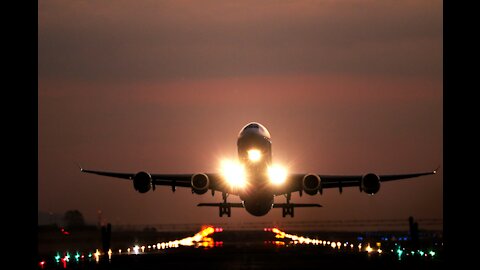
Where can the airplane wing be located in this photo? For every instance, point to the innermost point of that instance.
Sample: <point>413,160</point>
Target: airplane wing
<point>295,181</point>
<point>172,180</point>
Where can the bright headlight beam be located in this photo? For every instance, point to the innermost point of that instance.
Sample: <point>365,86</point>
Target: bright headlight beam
<point>234,173</point>
<point>277,174</point>
<point>254,155</point>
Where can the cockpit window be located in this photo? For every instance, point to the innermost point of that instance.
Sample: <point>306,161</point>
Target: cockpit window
<point>255,128</point>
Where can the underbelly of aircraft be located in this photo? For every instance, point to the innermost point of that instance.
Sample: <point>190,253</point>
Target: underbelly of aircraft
<point>258,204</point>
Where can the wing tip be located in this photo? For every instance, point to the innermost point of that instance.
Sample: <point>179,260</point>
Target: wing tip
<point>436,170</point>
<point>80,167</point>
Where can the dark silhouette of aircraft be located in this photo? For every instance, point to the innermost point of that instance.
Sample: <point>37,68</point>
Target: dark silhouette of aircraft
<point>255,179</point>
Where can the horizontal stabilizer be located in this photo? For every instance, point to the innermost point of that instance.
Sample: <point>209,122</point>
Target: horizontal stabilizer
<point>282,205</point>
<point>235,205</point>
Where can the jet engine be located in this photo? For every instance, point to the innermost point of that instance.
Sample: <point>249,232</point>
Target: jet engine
<point>370,183</point>
<point>200,183</point>
<point>142,182</point>
<point>311,183</point>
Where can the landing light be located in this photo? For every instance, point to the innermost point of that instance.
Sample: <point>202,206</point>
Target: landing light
<point>254,155</point>
<point>234,173</point>
<point>277,174</point>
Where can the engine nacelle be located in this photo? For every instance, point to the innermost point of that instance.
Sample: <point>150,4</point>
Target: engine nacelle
<point>311,184</point>
<point>370,183</point>
<point>142,182</point>
<point>200,183</point>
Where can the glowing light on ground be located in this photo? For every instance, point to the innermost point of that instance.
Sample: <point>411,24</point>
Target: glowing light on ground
<point>297,239</point>
<point>97,255</point>
<point>399,253</point>
<point>200,239</point>
<point>333,244</point>
<point>67,257</point>
<point>57,257</point>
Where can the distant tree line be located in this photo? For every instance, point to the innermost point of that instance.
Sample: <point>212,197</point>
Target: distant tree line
<point>74,219</point>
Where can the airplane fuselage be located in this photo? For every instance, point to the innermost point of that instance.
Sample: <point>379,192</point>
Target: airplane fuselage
<point>256,179</point>
<point>255,154</point>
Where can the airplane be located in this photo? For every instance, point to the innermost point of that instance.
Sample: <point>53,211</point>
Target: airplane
<point>255,179</point>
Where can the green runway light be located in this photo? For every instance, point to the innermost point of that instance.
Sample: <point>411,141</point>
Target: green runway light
<point>67,257</point>
<point>421,253</point>
<point>77,256</point>
<point>432,253</point>
<point>399,252</point>
<point>90,255</point>
<point>57,257</point>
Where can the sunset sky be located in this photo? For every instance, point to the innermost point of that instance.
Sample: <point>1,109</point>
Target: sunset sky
<point>344,87</point>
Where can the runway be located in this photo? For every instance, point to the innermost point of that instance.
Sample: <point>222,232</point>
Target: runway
<point>270,248</point>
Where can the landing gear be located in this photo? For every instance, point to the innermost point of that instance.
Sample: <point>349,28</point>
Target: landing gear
<point>288,196</point>
<point>287,209</point>
<point>224,208</point>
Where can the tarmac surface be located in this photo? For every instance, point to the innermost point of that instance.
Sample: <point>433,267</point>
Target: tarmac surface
<point>241,250</point>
